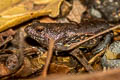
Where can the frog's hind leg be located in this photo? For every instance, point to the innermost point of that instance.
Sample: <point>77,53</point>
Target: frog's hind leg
<point>103,44</point>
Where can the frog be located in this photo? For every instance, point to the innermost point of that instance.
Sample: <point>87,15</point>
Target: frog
<point>66,34</point>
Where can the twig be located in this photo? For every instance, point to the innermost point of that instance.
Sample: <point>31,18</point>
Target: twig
<point>96,56</point>
<point>21,47</point>
<point>92,60</point>
<point>9,38</point>
<point>81,58</point>
<point>113,74</point>
<point>49,56</point>
<point>19,53</point>
<point>109,75</point>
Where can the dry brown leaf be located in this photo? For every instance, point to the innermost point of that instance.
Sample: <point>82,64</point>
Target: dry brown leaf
<point>65,8</point>
<point>57,68</point>
<point>54,6</point>
<point>47,19</point>
<point>20,13</point>
<point>4,4</point>
<point>76,12</point>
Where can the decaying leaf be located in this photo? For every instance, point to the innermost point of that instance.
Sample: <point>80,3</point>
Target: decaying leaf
<point>3,70</point>
<point>4,4</point>
<point>21,13</point>
<point>56,68</point>
<point>76,12</point>
<point>54,6</point>
<point>65,8</point>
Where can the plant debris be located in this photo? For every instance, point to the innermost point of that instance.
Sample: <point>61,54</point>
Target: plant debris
<point>59,39</point>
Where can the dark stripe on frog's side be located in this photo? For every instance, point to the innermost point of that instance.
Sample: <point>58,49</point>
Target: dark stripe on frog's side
<point>62,32</point>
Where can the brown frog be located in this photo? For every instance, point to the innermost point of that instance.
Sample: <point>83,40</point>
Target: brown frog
<point>66,34</point>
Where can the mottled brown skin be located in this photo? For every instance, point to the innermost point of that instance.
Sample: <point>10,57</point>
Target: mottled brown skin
<point>66,33</point>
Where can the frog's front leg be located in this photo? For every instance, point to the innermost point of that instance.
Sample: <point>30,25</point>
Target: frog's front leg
<point>103,44</point>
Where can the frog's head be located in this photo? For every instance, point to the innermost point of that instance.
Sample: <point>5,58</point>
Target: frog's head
<point>37,32</point>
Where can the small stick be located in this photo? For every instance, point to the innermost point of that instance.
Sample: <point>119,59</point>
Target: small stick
<point>21,48</point>
<point>105,31</point>
<point>82,59</point>
<point>9,38</point>
<point>49,56</point>
<point>96,56</point>
<point>93,59</point>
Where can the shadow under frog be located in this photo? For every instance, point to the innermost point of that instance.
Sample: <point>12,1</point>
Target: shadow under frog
<point>66,34</point>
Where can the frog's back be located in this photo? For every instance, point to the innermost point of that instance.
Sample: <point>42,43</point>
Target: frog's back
<point>93,26</point>
<point>87,26</point>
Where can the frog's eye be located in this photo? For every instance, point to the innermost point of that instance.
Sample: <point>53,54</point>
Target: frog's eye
<point>39,28</point>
